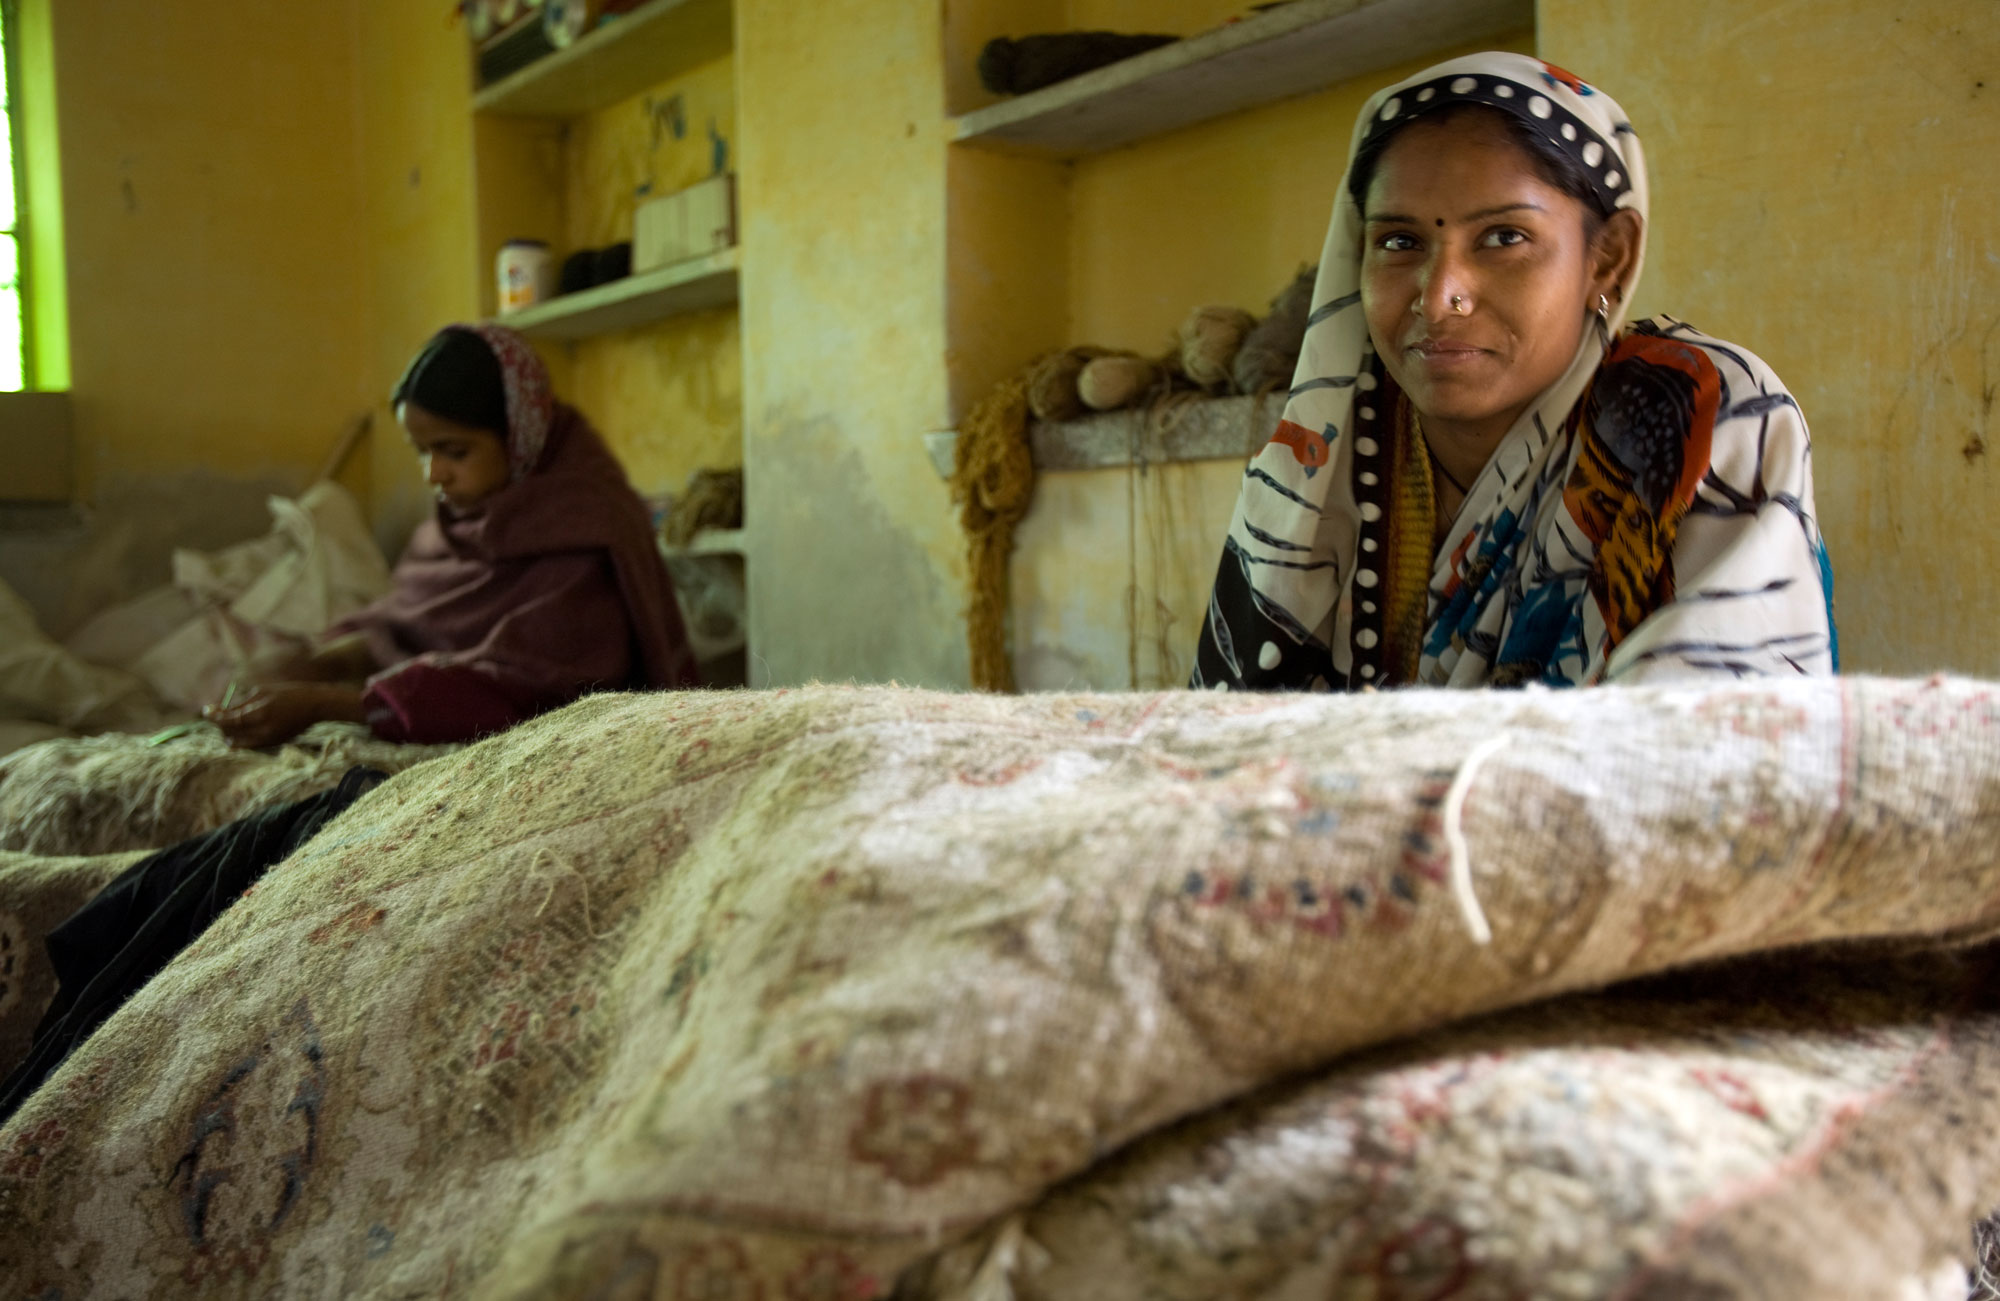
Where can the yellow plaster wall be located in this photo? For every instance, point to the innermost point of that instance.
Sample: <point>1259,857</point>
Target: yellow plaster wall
<point>1006,218</point>
<point>667,397</point>
<point>1007,266</point>
<point>521,183</point>
<point>210,177</point>
<point>419,265</point>
<point>1169,17</point>
<point>1823,194</point>
<point>854,559</point>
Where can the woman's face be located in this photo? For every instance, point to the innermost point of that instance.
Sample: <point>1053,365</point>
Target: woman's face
<point>1458,209</point>
<point>463,465</point>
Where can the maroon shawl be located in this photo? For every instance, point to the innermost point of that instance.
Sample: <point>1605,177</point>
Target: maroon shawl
<point>550,588</point>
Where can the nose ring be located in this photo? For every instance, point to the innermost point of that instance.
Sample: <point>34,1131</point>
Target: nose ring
<point>1457,307</point>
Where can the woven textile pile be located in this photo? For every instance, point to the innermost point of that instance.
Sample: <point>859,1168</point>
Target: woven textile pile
<point>828,992</point>
<point>106,794</point>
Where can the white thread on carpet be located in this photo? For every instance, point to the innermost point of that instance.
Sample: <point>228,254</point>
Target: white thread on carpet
<point>1454,838</point>
<point>560,870</point>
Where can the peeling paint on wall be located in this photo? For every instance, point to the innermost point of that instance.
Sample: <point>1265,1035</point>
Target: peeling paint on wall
<point>855,566</point>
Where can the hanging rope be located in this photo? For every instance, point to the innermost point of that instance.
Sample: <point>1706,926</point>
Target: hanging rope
<point>992,480</point>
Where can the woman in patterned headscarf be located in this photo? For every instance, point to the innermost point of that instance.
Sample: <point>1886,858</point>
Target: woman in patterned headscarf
<point>536,579</point>
<point>1484,475</point>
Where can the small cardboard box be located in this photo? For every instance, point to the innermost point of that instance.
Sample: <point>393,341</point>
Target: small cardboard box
<point>690,223</point>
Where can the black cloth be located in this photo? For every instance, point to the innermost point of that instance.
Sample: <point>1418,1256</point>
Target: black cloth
<point>158,906</point>
<point>579,272</point>
<point>613,262</point>
<point>1015,67</point>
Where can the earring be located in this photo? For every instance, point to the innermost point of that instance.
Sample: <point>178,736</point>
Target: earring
<point>1604,310</point>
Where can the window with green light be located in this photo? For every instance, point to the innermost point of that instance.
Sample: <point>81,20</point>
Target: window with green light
<point>13,335</point>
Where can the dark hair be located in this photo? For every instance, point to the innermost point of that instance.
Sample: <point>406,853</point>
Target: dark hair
<point>1557,168</point>
<point>456,376</point>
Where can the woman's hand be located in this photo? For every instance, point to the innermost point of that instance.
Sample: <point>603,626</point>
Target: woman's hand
<point>268,715</point>
<point>346,659</point>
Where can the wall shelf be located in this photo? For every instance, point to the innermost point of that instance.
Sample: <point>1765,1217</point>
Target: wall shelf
<point>1305,46</point>
<point>691,286</point>
<point>622,57</point>
<point>1207,429</point>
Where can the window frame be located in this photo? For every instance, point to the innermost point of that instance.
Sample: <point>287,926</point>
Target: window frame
<point>24,297</point>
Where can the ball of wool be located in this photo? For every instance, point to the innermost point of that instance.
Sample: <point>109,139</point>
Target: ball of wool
<point>1209,339</point>
<point>1270,352</point>
<point>1108,383</point>
<point>713,500</point>
<point>1052,383</point>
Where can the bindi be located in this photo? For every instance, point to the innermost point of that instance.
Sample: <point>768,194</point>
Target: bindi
<point>1440,222</point>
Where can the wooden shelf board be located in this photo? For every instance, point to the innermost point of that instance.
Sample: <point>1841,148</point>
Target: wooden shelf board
<point>1304,46</point>
<point>622,57</point>
<point>1209,429</point>
<point>641,299</point>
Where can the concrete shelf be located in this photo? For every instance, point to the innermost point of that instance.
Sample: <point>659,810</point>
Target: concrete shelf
<point>1303,46</point>
<point>710,542</point>
<point>1198,429</point>
<point>690,286</point>
<point>622,57</point>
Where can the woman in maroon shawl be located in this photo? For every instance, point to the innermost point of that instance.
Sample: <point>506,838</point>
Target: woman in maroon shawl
<point>535,581</point>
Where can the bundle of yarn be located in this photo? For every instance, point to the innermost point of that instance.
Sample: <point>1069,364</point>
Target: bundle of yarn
<point>713,500</point>
<point>1270,351</point>
<point>1209,338</point>
<point>1054,382</point>
<point>1124,380</point>
<point>992,482</point>
<point>1217,350</point>
<point>1076,381</point>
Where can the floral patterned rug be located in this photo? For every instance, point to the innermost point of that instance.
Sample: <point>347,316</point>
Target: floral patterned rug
<point>832,992</point>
